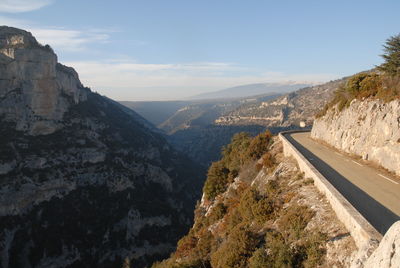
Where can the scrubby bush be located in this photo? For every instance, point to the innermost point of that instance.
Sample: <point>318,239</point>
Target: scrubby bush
<point>259,145</point>
<point>185,244</point>
<point>234,153</point>
<point>314,249</point>
<point>217,179</point>
<point>217,213</point>
<point>259,259</point>
<point>206,244</point>
<point>234,233</point>
<point>241,152</point>
<point>390,89</point>
<point>384,86</point>
<point>294,220</point>
<point>370,86</point>
<point>236,250</point>
<point>362,86</point>
<point>255,207</point>
<point>234,219</point>
<point>268,160</point>
<point>280,254</point>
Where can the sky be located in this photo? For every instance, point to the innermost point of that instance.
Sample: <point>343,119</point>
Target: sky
<point>173,49</point>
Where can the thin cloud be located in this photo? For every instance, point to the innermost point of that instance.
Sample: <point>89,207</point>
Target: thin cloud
<point>61,39</point>
<point>18,6</point>
<point>65,39</point>
<point>131,80</point>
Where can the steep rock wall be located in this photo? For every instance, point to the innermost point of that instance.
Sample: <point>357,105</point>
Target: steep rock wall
<point>370,129</point>
<point>388,252</point>
<point>35,90</point>
<point>84,181</point>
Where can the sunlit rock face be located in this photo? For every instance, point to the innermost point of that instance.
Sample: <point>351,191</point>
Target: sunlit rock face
<point>84,181</point>
<point>35,90</point>
<point>286,111</point>
<point>369,128</point>
<point>388,253</point>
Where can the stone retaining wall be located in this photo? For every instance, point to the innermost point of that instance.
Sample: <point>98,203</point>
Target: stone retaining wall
<point>364,234</point>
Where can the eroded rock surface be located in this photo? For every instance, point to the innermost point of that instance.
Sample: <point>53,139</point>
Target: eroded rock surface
<point>84,181</point>
<point>35,90</point>
<point>387,255</point>
<point>370,129</point>
<point>285,111</point>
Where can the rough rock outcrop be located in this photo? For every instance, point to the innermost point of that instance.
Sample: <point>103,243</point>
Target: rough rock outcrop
<point>35,90</point>
<point>285,111</point>
<point>387,255</point>
<point>369,128</point>
<point>84,181</point>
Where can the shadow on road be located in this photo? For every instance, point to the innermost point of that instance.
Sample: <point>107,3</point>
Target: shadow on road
<point>379,216</point>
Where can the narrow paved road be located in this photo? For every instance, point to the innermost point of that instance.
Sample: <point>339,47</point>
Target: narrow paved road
<point>375,194</point>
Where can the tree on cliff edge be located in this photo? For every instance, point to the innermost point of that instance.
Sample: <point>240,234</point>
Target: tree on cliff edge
<point>391,56</point>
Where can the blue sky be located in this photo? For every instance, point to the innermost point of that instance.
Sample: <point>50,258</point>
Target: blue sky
<point>157,50</point>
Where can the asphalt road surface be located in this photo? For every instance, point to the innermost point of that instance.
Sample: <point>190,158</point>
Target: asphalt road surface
<point>374,193</point>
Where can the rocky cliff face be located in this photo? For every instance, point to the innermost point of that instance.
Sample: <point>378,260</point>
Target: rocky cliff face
<point>285,111</point>
<point>388,252</point>
<point>370,129</point>
<point>84,181</point>
<point>35,90</point>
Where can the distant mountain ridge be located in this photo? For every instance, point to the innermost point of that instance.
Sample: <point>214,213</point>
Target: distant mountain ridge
<point>287,110</point>
<point>171,116</point>
<point>201,127</point>
<point>156,111</point>
<point>249,90</point>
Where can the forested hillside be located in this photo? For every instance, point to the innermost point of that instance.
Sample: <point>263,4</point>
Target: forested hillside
<point>258,210</point>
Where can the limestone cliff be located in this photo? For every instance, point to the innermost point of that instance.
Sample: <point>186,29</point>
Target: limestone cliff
<point>84,181</point>
<point>285,111</point>
<point>388,252</point>
<point>35,90</point>
<point>369,128</point>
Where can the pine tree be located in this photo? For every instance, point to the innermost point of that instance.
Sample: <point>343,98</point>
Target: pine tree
<point>391,56</point>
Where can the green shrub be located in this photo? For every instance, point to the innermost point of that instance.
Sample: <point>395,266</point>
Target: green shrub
<point>206,244</point>
<point>185,244</point>
<point>272,188</point>
<point>255,207</point>
<point>217,213</point>
<point>236,250</point>
<point>259,259</point>
<point>390,89</point>
<point>234,153</point>
<point>294,220</point>
<point>280,253</point>
<point>364,85</point>
<point>217,179</point>
<point>314,249</point>
<point>234,219</point>
<point>353,85</point>
<point>259,145</point>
